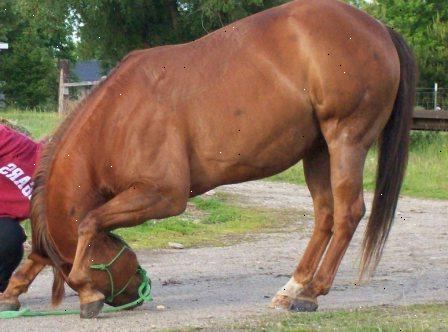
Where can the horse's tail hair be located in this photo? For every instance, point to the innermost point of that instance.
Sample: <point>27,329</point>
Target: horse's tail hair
<point>58,289</point>
<point>392,161</point>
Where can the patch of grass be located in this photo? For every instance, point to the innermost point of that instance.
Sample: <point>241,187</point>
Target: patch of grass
<point>407,318</point>
<point>39,123</point>
<point>206,222</point>
<point>426,174</point>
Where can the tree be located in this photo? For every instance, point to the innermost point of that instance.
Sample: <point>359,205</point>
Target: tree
<point>108,29</point>
<point>37,37</point>
<point>424,23</point>
<point>203,16</point>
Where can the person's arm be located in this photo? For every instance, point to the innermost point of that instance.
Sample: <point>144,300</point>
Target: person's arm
<point>15,127</point>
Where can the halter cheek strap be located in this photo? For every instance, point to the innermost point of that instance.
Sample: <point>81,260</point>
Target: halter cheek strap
<point>105,267</point>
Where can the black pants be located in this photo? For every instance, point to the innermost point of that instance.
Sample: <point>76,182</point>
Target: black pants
<point>12,237</point>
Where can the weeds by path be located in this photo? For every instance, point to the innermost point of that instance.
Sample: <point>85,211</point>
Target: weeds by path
<point>207,222</point>
<point>432,317</point>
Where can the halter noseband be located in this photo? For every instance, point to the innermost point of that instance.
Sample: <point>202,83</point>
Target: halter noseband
<point>144,290</point>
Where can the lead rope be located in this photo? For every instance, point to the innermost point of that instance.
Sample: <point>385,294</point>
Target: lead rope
<point>144,295</point>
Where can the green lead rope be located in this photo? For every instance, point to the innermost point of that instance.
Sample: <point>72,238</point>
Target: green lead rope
<point>144,295</point>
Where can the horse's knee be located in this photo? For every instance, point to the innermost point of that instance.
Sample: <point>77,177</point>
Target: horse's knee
<point>178,207</point>
<point>176,204</point>
<point>76,279</point>
<point>89,225</point>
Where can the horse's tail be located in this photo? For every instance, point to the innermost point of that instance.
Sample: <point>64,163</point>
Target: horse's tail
<point>392,161</point>
<point>58,289</point>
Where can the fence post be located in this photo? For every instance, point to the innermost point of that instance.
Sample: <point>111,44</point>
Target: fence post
<point>63,78</point>
<point>435,96</point>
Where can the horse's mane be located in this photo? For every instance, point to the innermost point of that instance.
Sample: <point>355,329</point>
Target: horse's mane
<point>42,243</point>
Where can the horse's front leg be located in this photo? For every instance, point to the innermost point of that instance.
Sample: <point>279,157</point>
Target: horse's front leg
<point>20,281</point>
<point>129,208</point>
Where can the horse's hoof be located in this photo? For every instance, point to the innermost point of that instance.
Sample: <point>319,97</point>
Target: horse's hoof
<point>303,305</point>
<point>91,309</point>
<point>9,305</point>
<point>281,301</point>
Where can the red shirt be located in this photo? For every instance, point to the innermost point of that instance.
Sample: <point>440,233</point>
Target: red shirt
<point>18,157</point>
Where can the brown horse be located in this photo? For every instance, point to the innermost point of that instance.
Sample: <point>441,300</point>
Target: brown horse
<point>314,80</point>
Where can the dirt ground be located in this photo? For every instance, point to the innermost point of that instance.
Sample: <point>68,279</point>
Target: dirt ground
<point>219,285</point>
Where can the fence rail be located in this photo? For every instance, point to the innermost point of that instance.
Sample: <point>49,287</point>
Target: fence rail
<point>430,120</point>
<point>432,99</point>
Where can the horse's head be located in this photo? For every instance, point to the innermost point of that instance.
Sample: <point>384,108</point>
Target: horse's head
<point>115,270</point>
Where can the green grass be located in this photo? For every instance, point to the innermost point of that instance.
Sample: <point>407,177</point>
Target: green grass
<point>408,318</point>
<point>427,172</point>
<point>206,222</point>
<point>39,123</point>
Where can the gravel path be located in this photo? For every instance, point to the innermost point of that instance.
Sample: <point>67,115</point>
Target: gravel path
<point>223,285</point>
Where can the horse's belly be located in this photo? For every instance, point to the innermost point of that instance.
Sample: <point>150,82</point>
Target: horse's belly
<point>245,151</point>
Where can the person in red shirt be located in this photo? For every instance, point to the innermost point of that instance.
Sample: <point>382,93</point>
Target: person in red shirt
<point>18,158</point>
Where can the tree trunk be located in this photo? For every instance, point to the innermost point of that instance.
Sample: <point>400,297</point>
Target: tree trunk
<point>172,7</point>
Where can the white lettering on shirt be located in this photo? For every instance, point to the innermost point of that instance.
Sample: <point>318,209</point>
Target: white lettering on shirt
<point>8,168</point>
<point>28,190</point>
<point>14,173</point>
<point>23,181</point>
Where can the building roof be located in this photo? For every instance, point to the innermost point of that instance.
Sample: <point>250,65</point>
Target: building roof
<point>87,71</point>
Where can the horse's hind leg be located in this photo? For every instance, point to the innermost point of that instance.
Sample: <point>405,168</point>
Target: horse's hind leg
<point>317,175</point>
<point>129,208</point>
<point>20,281</point>
<point>347,162</point>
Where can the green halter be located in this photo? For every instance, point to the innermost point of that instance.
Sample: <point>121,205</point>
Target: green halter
<point>105,267</point>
